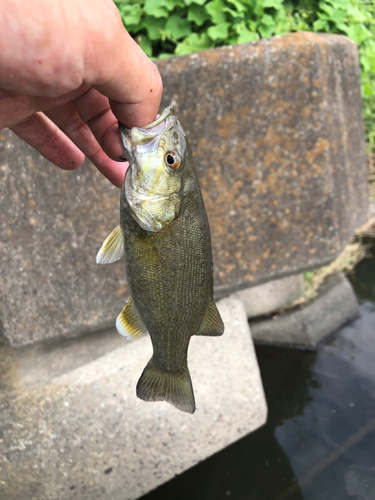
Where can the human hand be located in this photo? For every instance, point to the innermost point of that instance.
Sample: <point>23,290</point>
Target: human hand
<point>68,71</point>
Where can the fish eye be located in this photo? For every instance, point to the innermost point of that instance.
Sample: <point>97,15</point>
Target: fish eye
<point>172,160</point>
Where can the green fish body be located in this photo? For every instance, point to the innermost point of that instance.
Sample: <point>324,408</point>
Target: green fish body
<point>165,236</point>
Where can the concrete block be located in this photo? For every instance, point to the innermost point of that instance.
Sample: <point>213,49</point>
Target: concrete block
<point>52,224</point>
<point>272,296</point>
<point>276,130</point>
<point>85,435</point>
<point>277,133</point>
<point>335,305</point>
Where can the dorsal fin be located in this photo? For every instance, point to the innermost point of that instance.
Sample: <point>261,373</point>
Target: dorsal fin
<point>129,323</point>
<point>212,324</point>
<point>112,248</point>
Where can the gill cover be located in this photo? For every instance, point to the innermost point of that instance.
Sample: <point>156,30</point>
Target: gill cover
<point>155,178</point>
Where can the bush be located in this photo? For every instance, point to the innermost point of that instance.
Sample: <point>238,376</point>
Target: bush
<point>175,27</point>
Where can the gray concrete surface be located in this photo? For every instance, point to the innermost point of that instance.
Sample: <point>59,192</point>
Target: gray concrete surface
<point>335,305</point>
<point>85,436</point>
<point>272,296</point>
<point>277,134</point>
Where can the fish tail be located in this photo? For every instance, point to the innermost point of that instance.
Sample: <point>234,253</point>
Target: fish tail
<point>158,385</point>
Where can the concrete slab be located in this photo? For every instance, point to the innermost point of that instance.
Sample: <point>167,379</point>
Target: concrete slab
<point>272,296</point>
<point>335,305</point>
<point>85,435</point>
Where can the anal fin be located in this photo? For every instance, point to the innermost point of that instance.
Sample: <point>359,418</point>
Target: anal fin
<point>129,323</point>
<point>212,324</point>
<point>112,248</point>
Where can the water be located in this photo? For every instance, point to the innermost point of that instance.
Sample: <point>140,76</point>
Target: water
<point>319,441</point>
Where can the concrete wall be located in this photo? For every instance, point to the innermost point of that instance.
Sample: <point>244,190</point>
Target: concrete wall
<point>276,130</point>
<point>84,435</point>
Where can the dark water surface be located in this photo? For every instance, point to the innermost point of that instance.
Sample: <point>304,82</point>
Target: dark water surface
<point>319,441</point>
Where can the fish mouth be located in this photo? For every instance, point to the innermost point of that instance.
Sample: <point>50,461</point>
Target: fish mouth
<point>138,136</point>
<point>168,112</point>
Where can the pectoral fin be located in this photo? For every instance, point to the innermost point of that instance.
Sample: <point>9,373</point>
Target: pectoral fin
<point>129,323</point>
<point>112,248</point>
<point>212,324</point>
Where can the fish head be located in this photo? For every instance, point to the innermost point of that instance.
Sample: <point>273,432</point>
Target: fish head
<point>154,181</point>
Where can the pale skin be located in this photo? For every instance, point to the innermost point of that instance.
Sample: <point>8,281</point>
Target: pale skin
<point>69,71</point>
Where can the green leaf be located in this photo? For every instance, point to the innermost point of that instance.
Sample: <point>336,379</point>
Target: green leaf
<point>275,4</point>
<point>246,35</point>
<point>193,43</point>
<point>215,10</point>
<point>253,25</point>
<point>153,8</point>
<point>267,26</point>
<point>367,57</point>
<point>328,9</point>
<point>178,27</point>
<point>320,26</point>
<point>233,13</point>
<point>145,45</point>
<point>267,20</point>
<point>198,2</point>
<point>358,33</point>
<point>197,14</point>
<point>131,14</point>
<point>154,27</point>
<point>218,32</point>
<point>238,6</point>
<point>171,4</point>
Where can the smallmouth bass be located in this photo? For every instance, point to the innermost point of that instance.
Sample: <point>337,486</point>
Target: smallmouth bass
<point>165,237</point>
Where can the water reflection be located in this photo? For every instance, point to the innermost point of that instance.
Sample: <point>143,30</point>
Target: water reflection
<point>319,441</point>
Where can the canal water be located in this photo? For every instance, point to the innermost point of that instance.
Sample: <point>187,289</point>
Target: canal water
<point>319,440</point>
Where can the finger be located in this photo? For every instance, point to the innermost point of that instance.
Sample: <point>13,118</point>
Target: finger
<point>144,107</point>
<point>99,133</point>
<point>120,70</point>
<point>114,171</point>
<point>43,135</point>
<point>94,109</point>
<point>16,108</point>
<point>68,120</point>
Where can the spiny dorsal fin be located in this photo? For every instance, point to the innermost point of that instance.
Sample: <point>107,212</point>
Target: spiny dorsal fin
<point>212,324</point>
<point>112,248</point>
<point>129,323</point>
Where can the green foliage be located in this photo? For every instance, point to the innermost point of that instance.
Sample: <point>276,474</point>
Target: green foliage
<point>175,27</point>
<point>356,20</point>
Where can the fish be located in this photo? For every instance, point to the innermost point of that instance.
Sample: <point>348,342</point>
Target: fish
<point>164,235</point>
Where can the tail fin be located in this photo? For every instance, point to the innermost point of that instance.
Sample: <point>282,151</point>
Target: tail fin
<point>158,385</point>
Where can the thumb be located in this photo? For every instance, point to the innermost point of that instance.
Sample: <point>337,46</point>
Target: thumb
<point>122,72</point>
